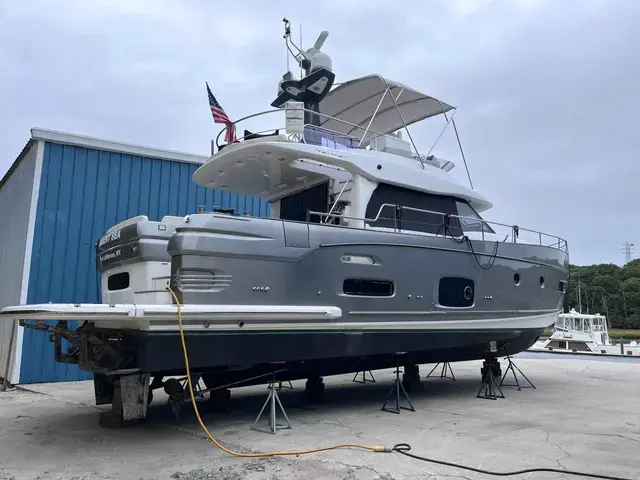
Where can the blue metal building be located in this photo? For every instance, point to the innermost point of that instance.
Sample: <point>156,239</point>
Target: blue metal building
<point>63,192</point>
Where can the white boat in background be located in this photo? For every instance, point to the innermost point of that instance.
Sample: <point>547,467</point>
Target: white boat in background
<point>576,332</point>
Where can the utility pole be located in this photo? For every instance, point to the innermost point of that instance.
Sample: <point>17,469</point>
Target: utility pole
<point>627,249</point>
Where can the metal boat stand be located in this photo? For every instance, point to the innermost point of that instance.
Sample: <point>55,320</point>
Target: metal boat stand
<point>280,386</point>
<point>513,367</point>
<point>489,382</point>
<point>395,392</point>
<point>446,370</point>
<point>272,400</point>
<point>364,377</point>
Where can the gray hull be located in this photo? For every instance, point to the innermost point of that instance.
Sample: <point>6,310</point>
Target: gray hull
<point>431,283</point>
<point>435,298</point>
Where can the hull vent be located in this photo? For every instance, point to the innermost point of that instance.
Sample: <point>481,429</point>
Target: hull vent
<point>201,280</point>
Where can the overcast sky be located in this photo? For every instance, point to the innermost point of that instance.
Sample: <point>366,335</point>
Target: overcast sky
<point>547,91</point>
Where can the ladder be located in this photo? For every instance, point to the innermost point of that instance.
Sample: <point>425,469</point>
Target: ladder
<point>337,204</point>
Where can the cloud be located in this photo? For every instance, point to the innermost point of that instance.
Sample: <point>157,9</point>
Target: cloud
<point>546,91</point>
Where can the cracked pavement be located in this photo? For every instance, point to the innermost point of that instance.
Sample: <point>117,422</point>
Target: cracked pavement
<point>582,416</point>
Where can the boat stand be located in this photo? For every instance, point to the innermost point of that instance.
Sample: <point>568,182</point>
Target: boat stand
<point>272,400</point>
<point>395,392</point>
<point>489,382</point>
<point>364,377</point>
<point>280,386</point>
<point>513,367</point>
<point>446,370</point>
<point>128,401</point>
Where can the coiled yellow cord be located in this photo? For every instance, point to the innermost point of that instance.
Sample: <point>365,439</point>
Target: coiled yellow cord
<point>372,448</point>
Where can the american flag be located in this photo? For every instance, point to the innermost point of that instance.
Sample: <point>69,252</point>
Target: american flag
<point>219,116</point>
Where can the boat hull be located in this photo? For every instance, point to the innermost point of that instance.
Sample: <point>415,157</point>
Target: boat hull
<point>228,340</point>
<point>322,352</point>
<point>226,357</point>
<point>257,292</point>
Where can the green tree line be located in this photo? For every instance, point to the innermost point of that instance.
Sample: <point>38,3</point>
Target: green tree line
<point>607,289</point>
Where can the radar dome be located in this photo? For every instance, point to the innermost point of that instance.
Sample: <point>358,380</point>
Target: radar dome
<point>320,60</point>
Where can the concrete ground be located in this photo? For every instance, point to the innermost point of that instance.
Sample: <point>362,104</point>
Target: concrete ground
<point>583,415</point>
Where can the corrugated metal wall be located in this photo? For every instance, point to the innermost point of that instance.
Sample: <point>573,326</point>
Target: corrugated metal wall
<point>15,202</point>
<point>83,192</point>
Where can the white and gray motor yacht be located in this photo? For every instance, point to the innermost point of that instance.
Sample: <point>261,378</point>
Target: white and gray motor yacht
<point>371,249</point>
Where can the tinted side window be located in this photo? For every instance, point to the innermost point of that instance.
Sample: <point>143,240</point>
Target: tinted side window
<point>408,219</point>
<point>294,207</point>
<point>455,292</point>
<point>367,288</point>
<point>473,222</point>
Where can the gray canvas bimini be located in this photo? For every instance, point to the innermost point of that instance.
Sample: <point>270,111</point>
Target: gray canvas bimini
<point>371,249</point>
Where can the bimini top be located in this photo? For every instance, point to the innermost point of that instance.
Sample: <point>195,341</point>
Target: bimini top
<point>356,101</point>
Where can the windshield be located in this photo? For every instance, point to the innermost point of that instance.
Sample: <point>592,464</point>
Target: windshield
<point>472,221</point>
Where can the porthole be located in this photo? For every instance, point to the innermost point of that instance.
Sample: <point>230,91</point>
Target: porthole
<point>468,293</point>
<point>516,278</point>
<point>561,286</point>
<point>541,282</point>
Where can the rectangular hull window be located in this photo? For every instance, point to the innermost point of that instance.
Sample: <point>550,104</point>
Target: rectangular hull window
<point>368,288</point>
<point>118,281</point>
<point>455,292</point>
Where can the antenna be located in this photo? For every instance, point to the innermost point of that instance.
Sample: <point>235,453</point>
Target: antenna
<point>316,76</point>
<point>627,249</point>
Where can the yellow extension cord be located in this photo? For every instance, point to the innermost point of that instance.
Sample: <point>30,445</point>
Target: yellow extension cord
<point>371,448</point>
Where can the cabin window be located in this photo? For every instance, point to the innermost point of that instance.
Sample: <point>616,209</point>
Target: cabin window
<point>579,346</point>
<point>407,219</point>
<point>557,344</point>
<point>472,221</point>
<point>315,199</point>
<point>367,288</point>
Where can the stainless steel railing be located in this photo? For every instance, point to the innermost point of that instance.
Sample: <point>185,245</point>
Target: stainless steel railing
<point>359,140</point>
<point>446,228</point>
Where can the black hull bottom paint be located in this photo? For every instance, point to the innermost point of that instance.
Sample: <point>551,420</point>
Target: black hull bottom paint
<point>230,357</point>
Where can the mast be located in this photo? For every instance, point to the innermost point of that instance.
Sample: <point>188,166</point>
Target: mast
<point>579,295</point>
